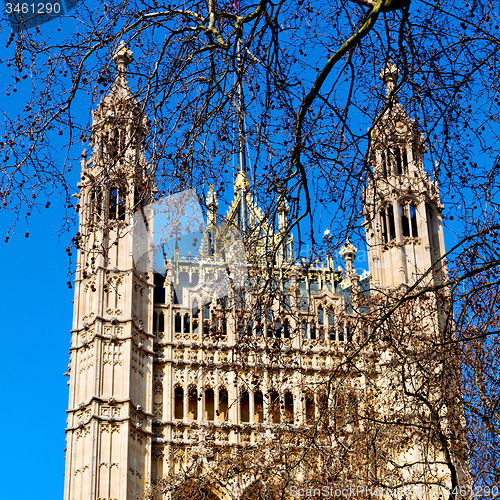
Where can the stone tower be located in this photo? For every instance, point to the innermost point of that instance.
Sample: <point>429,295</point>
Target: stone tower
<point>110,401</point>
<point>402,205</point>
<point>222,396</point>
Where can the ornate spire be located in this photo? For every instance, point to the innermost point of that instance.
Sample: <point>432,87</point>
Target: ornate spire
<point>241,184</point>
<point>122,57</point>
<point>389,75</point>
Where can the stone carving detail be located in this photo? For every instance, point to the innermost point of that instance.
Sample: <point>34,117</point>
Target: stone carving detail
<point>138,288</point>
<point>114,311</point>
<point>192,355</point>
<point>139,339</point>
<point>222,435</point>
<point>158,453</point>
<point>136,420</point>
<point>138,321</point>
<point>179,375</point>
<point>82,432</point>
<point>81,470</point>
<point>178,354</point>
<point>158,389</point>
<point>88,317</point>
<point>137,436</point>
<point>110,411</point>
<point>192,376</point>
<point>138,359</point>
<point>109,428</point>
<point>90,285</point>
<point>111,353</point>
<point>135,473</point>
<point>113,282</point>
<point>158,409</point>
<point>86,356</point>
<point>178,434</point>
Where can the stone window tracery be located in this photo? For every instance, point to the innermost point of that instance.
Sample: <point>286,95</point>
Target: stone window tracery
<point>387,223</point>
<point>178,403</point>
<point>409,219</point>
<point>116,203</point>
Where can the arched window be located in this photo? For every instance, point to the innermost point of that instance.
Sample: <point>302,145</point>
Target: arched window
<point>432,227</point>
<point>387,222</point>
<point>206,311</point>
<point>223,404</point>
<point>209,404</point>
<point>310,407</point>
<point>321,316</point>
<point>244,407</point>
<point>155,322</point>
<point>95,205</point>
<point>286,329</point>
<point>258,402</point>
<point>409,219</point>
<point>194,309</point>
<point>331,324</point>
<point>288,400</point>
<point>187,321</point>
<point>399,163</point>
<point>405,160</point>
<point>161,323</point>
<point>178,323</point>
<point>116,204</point>
<point>193,403</point>
<point>274,408</point>
<point>179,403</point>
<point>384,163</point>
<point>303,331</point>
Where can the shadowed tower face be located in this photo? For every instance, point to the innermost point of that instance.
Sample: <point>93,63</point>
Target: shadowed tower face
<point>402,206</point>
<point>110,401</point>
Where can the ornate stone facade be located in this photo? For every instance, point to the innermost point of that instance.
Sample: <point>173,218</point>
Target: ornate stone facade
<point>195,394</point>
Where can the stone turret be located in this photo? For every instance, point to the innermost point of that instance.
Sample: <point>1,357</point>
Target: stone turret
<point>110,401</point>
<point>402,205</point>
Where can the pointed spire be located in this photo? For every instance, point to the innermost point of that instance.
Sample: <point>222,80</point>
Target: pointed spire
<point>348,254</point>
<point>389,75</point>
<point>122,57</point>
<point>212,206</point>
<point>241,184</point>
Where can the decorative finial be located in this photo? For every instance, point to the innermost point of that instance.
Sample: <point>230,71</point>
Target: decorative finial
<point>211,198</point>
<point>389,75</point>
<point>122,57</point>
<point>348,251</point>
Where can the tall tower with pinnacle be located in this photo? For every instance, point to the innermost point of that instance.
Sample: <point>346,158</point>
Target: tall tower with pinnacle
<point>402,205</point>
<point>110,401</point>
<point>243,392</point>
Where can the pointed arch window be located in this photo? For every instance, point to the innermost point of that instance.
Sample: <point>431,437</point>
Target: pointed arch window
<point>245,407</point>
<point>384,163</point>
<point>95,205</point>
<point>209,404</point>
<point>409,219</point>
<point>223,404</point>
<point>399,162</point>
<point>387,222</point>
<point>432,227</point>
<point>179,403</point>
<point>321,316</point>
<point>116,204</point>
<point>258,407</point>
<point>193,403</point>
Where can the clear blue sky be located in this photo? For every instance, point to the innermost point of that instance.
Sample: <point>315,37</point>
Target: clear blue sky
<point>36,317</point>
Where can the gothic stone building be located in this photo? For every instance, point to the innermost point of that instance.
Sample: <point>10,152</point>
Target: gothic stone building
<point>177,394</point>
